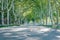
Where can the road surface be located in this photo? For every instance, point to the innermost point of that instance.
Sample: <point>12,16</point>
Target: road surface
<point>17,33</point>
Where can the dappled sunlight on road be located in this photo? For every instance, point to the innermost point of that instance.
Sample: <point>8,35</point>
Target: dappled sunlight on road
<point>39,33</point>
<point>58,30</point>
<point>45,29</point>
<point>7,34</point>
<point>18,29</point>
<point>58,36</point>
<point>40,29</point>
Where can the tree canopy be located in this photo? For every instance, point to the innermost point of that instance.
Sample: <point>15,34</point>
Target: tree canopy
<point>42,11</point>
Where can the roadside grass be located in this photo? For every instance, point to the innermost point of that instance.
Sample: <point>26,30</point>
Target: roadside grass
<point>4,26</point>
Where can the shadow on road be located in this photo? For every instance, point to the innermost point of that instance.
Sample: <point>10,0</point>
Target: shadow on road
<point>27,34</point>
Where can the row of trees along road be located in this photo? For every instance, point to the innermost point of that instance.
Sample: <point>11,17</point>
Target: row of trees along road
<point>20,11</point>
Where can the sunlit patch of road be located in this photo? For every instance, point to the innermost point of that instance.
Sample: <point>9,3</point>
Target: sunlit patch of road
<point>32,33</point>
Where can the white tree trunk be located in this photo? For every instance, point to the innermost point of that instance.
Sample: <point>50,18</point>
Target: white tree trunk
<point>50,12</point>
<point>7,14</point>
<point>2,13</point>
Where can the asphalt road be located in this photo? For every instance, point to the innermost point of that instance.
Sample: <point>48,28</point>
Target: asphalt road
<point>17,33</point>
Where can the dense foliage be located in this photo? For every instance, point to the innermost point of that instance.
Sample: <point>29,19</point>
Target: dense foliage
<point>41,11</point>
